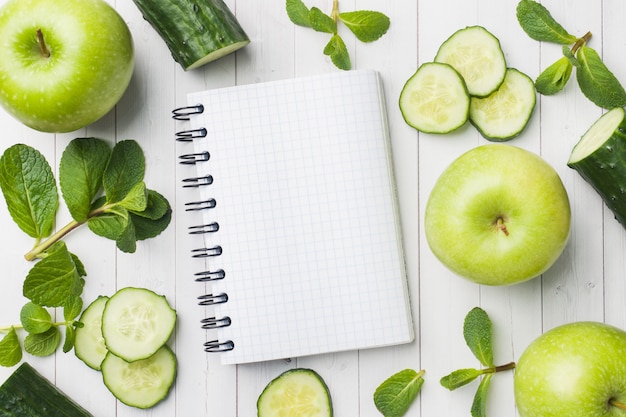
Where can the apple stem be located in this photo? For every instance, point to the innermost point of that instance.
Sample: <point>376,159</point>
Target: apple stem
<point>45,52</point>
<point>505,367</point>
<point>617,404</point>
<point>501,226</point>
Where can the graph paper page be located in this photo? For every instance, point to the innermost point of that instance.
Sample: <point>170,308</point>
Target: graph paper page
<point>308,223</point>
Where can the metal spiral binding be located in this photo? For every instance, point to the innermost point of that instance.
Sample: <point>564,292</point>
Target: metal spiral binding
<point>201,205</point>
<point>209,323</point>
<point>205,276</point>
<point>194,158</point>
<point>217,346</point>
<point>183,113</point>
<point>191,134</point>
<point>207,252</point>
<point>215,323</point>
<point>194,182</point>
<point>204,228</point>
<point>212,299</point>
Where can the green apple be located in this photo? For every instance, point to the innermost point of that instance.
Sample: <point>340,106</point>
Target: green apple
<point>63,63</point>
<point>574,370</point>
<point>498,215</point>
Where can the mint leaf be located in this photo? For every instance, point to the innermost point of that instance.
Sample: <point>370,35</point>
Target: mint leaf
<point>554,78</point>
<point>146,228</point>
<point>298,13</point>
<point>10,349</point>
<point>110,225</point>
<point>338,52</point>
<point>72,308</point>
<point>156,208</point>
<point>80,174</point>
<point>321,22</point>
<point>54,278</point>
<point>539,24</point>
<point>70,338</point>
<point>43,344</point>
<point>597,82</point>
<point>396,394</point>
<point>459,378</point>
<point>29,190</point>
<point>136,199</point>
<point>126,168</point>
<point>479,405</point>
<point>477,333</point>
<point>366,25</point>
<point>34,318</point>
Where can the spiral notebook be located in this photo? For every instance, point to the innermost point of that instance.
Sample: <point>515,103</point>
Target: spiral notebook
<point>302,239</point>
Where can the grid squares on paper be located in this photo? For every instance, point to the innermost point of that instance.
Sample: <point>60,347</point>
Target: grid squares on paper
<point>307,214</point>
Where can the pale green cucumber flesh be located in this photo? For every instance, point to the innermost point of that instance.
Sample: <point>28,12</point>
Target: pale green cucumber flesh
<point>136,322</point>
<point>505,113</point>
<point>434,99</point>
<point>89,344</point>
<point>298,392</point>
<point>476,54</point>
<point>28,393</point>
<point>600,158</point>
<point>143,383</point>
<point>196,32</point>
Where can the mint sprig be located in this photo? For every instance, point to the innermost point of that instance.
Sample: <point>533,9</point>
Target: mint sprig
<point>478,335</point>
<point>366,25</point>
<point>104,188</point>
<point>595,80</point>
<point>394,396</point>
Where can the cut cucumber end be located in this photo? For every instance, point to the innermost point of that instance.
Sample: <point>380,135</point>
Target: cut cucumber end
<point>143,383</point>
<point>476,54</point>
<point>213,56</point>
<point>505,113</point>
<point>89,344</point>
<point>597,134</point>
<point>297,392</point>
<point>136,322</point>
<point>435,99</point>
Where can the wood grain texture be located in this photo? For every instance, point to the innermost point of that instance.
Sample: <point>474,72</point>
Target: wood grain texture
<point>586,283</point>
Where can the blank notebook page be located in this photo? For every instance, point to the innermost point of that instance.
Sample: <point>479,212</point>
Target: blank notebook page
<point>308,222</point>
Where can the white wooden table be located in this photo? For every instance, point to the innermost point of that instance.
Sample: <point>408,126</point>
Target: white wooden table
<point>586,283</point>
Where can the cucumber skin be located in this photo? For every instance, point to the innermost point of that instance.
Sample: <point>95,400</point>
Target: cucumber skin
<point>605,170</point>
<point>193,29</point>
<point>28,394</point>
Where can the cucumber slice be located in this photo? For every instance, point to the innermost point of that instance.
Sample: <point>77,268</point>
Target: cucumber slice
<point>476,54</point>
<point>600,158</point>
<point>136,322</point>
<point>89,344</point>
<point>142,383</point>
<point>505,113</point>
<point>297,392</point>
<point>435,99</point>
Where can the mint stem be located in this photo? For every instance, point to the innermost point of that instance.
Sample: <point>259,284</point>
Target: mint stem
<point>60,234</point>
<point>334,14</point>
<point>580,42</point>
<point>45,52</point>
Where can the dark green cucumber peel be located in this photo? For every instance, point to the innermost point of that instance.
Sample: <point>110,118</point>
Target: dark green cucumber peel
<point>28,394</point>
<point>196,32</point>
<point>599,157</point>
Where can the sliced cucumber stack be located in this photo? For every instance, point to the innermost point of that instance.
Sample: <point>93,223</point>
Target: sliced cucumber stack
<point>435,99</point>
<point>298,392</point>
<point>89,344</point>
<point>500,100</point>
<point>143,383</point>
<point>136,322</point>
<point>600,158</point>
<point>124,336</point>
<point>476,54</point>
<point>505,113</point>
